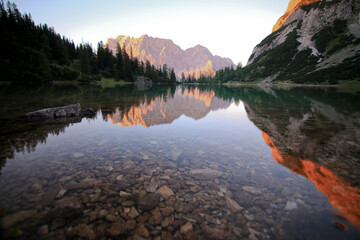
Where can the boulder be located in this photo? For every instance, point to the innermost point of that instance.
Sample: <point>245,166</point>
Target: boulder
<point>70,111</point>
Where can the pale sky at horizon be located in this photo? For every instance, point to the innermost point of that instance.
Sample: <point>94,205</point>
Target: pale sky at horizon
<point>228,28</point>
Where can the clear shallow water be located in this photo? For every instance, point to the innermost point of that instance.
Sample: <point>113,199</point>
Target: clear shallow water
<point>183,163</point>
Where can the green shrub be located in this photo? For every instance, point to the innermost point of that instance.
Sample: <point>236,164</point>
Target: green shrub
<point>63,73</point>
<point>329,33</point>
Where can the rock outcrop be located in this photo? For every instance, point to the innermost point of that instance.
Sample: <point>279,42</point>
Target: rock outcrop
<point>196,60</point>
<point>316,42</point>
<point>70,111</point>
<point>293,5</point>
<point>143,82</point>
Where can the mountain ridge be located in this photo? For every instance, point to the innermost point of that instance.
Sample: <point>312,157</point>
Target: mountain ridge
<point>197,60</point>
<point>319,42</point>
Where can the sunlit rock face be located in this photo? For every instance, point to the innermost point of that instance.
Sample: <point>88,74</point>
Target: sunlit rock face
<point>293,5</point>
<point>304,48</point>
<point>165,109</point>
<point>197,60</point>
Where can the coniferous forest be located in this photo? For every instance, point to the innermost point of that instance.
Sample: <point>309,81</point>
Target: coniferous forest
<point>37,54</point>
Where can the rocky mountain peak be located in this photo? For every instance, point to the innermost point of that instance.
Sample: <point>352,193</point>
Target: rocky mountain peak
<point>293,5</point>
<point>318,42</point>
<point>196,60</point>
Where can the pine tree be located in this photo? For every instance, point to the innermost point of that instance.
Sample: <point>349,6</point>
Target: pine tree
<point>165,72</point>
<point>135,66</point>
<point>127,65</point>
<point>148,69</point>
<point>100,58</point>
<point>84,60</point>
<point>142,69</point>
<point>119,64</point>
<point>183,78</point>
<point>172,76</point>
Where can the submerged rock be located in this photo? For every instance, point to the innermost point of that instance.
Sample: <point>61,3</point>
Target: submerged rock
<point>149,201</point>
<point>61,193</point>
<point>142,231</point>
<point>205,174</point>
<point>232,205</point>
<point>187,227</point>
<point>133,213</point>
<point>10,220</point>
<point>116,229</point>
<point>43,230</point>
<point>214,233</point>
<point>252,190</point>
<point>77,155</point>
<point>291,205</point>
<point>165,191</point>
<point>152,186</point>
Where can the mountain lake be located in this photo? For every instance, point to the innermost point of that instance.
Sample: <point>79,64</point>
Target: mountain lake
<point>181,162</point>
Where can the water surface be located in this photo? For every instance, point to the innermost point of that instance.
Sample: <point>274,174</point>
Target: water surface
<point>183,163</point>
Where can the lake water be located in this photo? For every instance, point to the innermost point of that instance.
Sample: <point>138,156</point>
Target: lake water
<point>182,163</point>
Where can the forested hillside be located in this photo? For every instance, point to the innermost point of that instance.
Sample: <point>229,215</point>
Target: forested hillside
<point>36,54</point>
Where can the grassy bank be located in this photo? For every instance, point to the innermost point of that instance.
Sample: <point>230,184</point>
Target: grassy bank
<point>111,82</point>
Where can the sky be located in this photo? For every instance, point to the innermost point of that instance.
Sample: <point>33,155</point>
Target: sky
<point>228,28</point>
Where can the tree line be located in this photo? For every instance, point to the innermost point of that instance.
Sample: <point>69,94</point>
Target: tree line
<point>221,76</point>
<point>36,54</point>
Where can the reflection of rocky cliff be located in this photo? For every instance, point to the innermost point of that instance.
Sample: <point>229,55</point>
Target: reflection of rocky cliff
<point>165,109</point>
<point>315,139</point>
<point>339,192</point>
<point>312,129</point>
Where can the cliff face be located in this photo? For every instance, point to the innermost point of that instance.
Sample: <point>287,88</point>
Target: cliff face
<point>196,60</point>
<point>315,42</point>
<point>293,5</point>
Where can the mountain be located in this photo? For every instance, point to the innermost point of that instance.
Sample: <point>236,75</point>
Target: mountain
<point>317,42</point>
<point>196,60</point>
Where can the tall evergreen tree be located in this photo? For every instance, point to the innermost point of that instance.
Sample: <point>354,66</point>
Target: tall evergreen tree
<point>119,64</point>
<point>165,72</point>
<point>127,65</point>
<point>100,57</point>
<point>172,76</point>
<point>183,78</point>
<point>148,69</point>
<point>84,60</point>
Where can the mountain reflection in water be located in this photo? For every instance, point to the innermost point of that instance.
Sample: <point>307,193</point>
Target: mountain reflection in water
<point>340,193</point>
<point>211,149</point>
<point>165,109</point>
<point>319,141</point>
